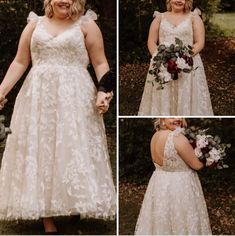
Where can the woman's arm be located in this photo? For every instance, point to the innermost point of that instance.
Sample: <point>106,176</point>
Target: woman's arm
<point>20,62</point>
<point>95,47</point>
<point>198,34</point>
<point>186,152</point>
<point>154,34</point>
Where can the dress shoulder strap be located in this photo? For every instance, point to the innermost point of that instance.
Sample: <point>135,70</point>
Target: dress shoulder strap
<point>197,11</point>
<point>33,17</point>
<point>169,146</point>
<point>157,13</point>
<point>90,15</point>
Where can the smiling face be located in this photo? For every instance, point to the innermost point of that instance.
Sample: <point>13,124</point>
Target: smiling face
<point>177,5</point>
<point>61,7</point>
<point>172,123</point>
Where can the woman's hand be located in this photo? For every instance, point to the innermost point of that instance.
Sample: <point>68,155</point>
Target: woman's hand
<point>3,101</point>
<point>103,100</point>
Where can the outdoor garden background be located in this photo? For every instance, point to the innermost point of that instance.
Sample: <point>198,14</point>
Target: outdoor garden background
<point>218,56</point>
<point>136,167</point>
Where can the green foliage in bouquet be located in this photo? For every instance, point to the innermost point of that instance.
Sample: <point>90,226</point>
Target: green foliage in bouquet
<point>165,64</point>
<point>208,148</point>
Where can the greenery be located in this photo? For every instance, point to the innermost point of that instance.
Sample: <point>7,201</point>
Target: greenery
<point>134,140</point>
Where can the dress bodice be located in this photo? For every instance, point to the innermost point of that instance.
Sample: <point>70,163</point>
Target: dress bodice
<point>66,49</point>
<point>168,32</point>
<point>172,161</point>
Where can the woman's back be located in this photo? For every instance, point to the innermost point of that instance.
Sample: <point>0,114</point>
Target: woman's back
<point>158,143</point>
<point>164,152</point>
<point>174,203</point>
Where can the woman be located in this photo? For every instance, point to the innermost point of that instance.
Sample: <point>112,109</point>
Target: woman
<point>173,203</point>
<point>189,95</point>
<point>56,160</point>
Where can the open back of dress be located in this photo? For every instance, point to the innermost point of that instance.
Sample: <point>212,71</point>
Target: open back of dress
<point>174,203</point>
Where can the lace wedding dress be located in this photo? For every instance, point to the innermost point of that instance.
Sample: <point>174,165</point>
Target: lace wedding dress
<point>174,203</point>
<point>56,160</point>
<point>189,95</point>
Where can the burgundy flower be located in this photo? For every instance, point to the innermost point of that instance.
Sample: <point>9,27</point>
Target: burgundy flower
<point>213,165</point>
<point>205,150</point>
<point>172,67</point>
<point>194,144</point>
<point>190,61</point>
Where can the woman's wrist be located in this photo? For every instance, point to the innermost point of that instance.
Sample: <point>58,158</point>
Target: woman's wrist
<point>107,82</point>
<point>2,92</point>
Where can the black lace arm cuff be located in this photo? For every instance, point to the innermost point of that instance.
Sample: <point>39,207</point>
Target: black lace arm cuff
<point>107,82</point>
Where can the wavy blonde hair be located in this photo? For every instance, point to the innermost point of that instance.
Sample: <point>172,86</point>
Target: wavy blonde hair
<point>77,9</point>
<point>187,8</point>
<point>158,125</point>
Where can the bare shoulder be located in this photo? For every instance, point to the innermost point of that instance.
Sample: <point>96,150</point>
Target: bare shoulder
<point>90,27</point>
<point>32,24</point>
<point>180,141</point>
<point>29,28</point>
<point>196,19</point>
<point>159,134</point>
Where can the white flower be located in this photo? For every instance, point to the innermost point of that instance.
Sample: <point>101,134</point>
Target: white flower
<point>214,154</point>
<point>198,152</point>
<point>209,161</point>
<point>201,141</point>
<point>165,76</point>
<point>181,64</point>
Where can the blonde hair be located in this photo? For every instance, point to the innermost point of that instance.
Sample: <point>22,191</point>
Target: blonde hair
<point>187,8</point>
<point>77,9</point>
<point>158,125</point>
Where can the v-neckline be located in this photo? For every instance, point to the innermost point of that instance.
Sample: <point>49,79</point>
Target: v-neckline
<point>176,26</point>
<point>58,35</point>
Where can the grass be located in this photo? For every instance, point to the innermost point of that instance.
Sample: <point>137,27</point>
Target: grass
<point>225,21</point>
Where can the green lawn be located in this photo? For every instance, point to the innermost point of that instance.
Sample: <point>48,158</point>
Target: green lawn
<point>226,22</point>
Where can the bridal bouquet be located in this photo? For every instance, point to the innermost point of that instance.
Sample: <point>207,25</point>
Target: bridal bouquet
<point>208,148</point>
<point>170,61</point>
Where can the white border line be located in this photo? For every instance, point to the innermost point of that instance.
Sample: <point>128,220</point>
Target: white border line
<point>117,114</point>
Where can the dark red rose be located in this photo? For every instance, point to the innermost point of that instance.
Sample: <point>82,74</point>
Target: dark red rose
<point>188,60</point>
<point>194,144</point>
<point>213,165</point>
<point>205,150</point>
<point>172,67</point>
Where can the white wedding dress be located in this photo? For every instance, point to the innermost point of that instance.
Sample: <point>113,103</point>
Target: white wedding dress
<point>189,95</point>
<point>56,160</point>
<point>174,203</point>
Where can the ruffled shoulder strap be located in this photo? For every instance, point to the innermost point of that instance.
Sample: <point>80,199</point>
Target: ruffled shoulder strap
<point>177,131</point>
<point>197,11</point>
<point>32,17</point>
<point>157,14</point>
<point>89,15</point>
